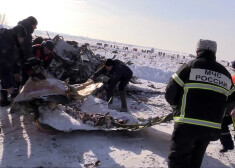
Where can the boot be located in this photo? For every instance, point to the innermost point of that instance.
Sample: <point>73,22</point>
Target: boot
<point>4,100</point>
<point>227,142</point>
<point>123,101</point>
<point>225,149</point>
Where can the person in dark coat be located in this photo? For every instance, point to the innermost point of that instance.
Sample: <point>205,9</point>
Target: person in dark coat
<point>30,24</point>
<point>117,71</point>
<point>198,93</point>
<point>10,42</point>
<point>43,55</point>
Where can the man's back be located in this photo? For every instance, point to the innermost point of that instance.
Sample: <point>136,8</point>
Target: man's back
<point>202,97</point>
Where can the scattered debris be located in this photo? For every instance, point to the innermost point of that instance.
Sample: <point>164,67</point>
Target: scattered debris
<point>71,61</point>
<point>152,86</point>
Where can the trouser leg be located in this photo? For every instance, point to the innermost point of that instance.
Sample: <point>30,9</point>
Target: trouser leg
<point>181,150</point>
<point>24,77</point>
<point>4,99</point>
<point>123,101</point>
<point>122,91</point>
<point>198,152</point>
<point>226,138</point>
<point>110,92</point>
<point>16,90</point>
<point>7,81</point>
<point>227,142</point>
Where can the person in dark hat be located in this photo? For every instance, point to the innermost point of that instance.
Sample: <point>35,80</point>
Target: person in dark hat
<point>117,71</point>
<point>30,24</point>
<point>43,55</point>
<point>10,42</point>
<point>198,93</point>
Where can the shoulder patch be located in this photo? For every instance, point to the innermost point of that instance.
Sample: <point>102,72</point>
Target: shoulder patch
<point>209,76</point>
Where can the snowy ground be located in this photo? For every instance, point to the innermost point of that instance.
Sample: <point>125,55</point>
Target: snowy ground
<point>23,145</point>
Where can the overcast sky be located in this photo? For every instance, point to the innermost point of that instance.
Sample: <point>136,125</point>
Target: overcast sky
<point>174,25</point>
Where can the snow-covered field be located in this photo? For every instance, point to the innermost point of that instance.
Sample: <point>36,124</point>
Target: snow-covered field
<point>23,145</point>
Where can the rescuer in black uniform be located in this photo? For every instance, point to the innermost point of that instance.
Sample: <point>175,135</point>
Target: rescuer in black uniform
<point>198,93</point>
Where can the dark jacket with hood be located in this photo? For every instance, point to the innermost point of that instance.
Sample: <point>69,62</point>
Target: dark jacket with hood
<point>9,52</point>
<point>198,92</point>
<point>27,44</point>
<point>119,72</point>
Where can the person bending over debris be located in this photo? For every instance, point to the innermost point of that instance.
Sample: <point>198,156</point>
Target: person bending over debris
<point>43,55</point>
<point>198,93</point>
<point>117,71</point>
<point>10,42</point>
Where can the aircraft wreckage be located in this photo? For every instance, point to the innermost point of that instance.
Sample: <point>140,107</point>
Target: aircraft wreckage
<point>66,101</point>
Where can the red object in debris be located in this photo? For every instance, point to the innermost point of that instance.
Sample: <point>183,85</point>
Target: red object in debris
<point>233,78</point>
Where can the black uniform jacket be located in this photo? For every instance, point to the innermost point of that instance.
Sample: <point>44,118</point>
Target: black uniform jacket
<point>199,91</point>
<point>119,72</point>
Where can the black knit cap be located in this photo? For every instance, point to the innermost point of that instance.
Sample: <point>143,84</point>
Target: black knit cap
<point>49,44</point>
<point>109,62</point>
<point>19,31</point>
<point>32,20</point>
